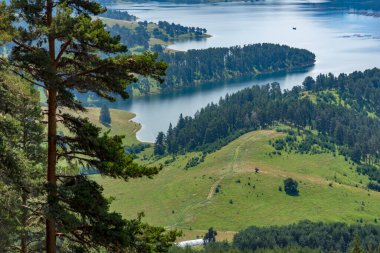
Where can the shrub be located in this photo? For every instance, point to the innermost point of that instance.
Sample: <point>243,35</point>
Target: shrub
<point>291,187</point>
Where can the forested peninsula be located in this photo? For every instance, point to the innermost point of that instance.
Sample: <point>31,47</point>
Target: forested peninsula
<point>216,64</point>
<point>197,67</point>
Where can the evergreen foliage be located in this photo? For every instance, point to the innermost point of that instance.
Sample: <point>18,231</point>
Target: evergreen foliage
<point>224,247</point>
<point>105,116</point>
<point>132,37</point>
<point>306,142</point>
<point>159,148</point>
<point>355,132</point>
<point>118,14</point>
<point>210,236</point>
<point>329,237</point>
<point>291,187</point>
<point>217,64</point>
<point>359,90</point>
<point>303,237</point>
<point>21,165</point>
<point>136,148</point>
<point>60,48</point>
<point>175,30</point>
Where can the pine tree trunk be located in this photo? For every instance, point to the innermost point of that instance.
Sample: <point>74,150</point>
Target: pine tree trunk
<point>24,239</point>
<point>24,195</point>
<point>52,143</point>
<point>51,172</point>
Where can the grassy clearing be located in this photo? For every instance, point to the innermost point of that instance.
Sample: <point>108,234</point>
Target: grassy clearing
<point>186,199</point>
<point>121,124</point>
<point>112,22</point>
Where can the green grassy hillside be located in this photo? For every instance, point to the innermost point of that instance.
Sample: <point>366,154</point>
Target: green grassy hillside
<point>330,190</point>
<point>121,124</point>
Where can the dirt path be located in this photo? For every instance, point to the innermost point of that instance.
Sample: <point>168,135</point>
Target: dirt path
<point>233,166</point>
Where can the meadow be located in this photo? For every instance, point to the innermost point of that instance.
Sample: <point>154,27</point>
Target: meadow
<point>226,192</point>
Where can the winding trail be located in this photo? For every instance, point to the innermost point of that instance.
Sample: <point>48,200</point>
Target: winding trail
<point>232,169</point>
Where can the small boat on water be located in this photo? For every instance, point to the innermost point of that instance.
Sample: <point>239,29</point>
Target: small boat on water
<point>294,28</point>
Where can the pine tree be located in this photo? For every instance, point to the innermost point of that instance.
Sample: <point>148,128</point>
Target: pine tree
<point>169,141</point>
<point>21,164</point>
<point>210,236</point>
<point>59,47</point>
<point>356,248</point>
<point>105,116</point>
<point>159,147</point>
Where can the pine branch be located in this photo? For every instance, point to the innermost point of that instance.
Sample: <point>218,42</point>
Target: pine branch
<point>27,79</point>
<point>62,51</point>
<point>30,49</point>
<point>84,73</point>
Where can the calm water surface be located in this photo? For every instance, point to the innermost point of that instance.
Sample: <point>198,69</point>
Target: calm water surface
<point>342,42</point>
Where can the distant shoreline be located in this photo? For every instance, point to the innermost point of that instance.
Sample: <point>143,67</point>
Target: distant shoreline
<point>366,13</point>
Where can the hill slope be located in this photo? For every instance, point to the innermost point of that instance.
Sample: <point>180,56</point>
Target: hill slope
<point>121,124</point>
<point>188,199</point>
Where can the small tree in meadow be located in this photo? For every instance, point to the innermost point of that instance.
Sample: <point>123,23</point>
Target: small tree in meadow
<point>291,187</point>
<point>105,116</point>
<point>210,236</point>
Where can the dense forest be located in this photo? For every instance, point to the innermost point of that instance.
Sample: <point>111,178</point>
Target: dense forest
<point>118,14</point>
<point>216,64</point>
<point>359,90</point>
<point>132,37</point>
<point>196,67</point>
<point>176,29</point>
<point>305,236</point>
<point>355,132</point>
<point>329,237</point>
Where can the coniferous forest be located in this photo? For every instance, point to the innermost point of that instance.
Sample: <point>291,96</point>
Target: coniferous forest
<point>272,169</point>
<point>217,64</point>
<point>305,236</point>
<point>345,121</point>
<point>117,14</point>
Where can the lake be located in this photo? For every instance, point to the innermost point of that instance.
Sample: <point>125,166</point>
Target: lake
<point>342,42</point>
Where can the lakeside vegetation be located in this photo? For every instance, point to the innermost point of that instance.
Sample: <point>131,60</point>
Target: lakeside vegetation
<point>118,14</point>
<point>200,66</point>
<point>197,67</point>
<point>354,133</point>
